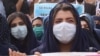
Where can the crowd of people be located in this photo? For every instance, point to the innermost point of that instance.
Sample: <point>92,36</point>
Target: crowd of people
<point>64,30</point>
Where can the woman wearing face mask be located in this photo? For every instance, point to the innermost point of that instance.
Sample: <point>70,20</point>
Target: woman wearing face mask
<point>37,24</point>
<point>86,21</point>
<point>96,27</point>
<point>64,33</point>
<point>88,26</point>
<point>97,21</point>
<point>5,37</point>
<point>22,35</point>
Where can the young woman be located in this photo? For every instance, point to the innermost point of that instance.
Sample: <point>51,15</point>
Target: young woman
<point>88,26</point>
<point>64,32</point>
<point>22,35</point>
<point>37,24</point>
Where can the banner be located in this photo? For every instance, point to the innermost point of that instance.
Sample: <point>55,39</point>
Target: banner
<point>43,9</point>
<point>70,54</point>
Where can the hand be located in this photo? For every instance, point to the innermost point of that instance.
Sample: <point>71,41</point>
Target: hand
<point>37,54</point>
<point>98,52</point>
<point>98,12</point>
<point>14,53</point>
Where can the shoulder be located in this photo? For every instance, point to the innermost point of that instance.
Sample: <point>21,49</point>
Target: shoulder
<point>40,49</point>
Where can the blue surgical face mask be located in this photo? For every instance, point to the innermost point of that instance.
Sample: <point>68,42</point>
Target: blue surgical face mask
<point>19,32</point>
<point>38,30</point>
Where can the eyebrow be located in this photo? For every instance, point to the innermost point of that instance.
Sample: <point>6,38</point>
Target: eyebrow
<point>58,18</point>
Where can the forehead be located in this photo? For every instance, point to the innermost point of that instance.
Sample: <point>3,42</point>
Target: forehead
<point>17,19</point>
<point>83,22</point>
<point>63,14</point>
<point>37,21</point>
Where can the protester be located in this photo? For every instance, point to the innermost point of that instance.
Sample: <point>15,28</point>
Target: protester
<point>90,7</point>
<point>22,35</point>
<point>37,24</point>
<point>16,6</point>
<point>88,26</point>
<point>97,21</point>
<point>96,28</point>
<point>64,32</point>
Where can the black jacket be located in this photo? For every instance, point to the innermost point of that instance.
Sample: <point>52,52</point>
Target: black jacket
<point>5,38</point>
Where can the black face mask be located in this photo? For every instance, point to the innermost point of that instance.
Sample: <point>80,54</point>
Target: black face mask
<point>89,34</point>
<point>98,26</point>
<point>86,30</point>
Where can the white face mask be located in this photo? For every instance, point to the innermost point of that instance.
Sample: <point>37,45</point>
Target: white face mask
<point>19,32</point>
<point>64,32</point>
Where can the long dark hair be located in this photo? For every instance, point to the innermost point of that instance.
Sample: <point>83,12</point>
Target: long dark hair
<point>30,41</point>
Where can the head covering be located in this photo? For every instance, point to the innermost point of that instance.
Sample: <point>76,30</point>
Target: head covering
<point>81,41</point>
<point>38,29</point>
<point>39,18</point>
<point>96,30</point>
<point>45,23</point>
<point>88,18</point>
<point>30,41</point>
<point>5,37</point>
<point>98,19</point>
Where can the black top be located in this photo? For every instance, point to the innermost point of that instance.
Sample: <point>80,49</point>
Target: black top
<point>10,6</point>
<point>89,8</point>
<point>5,37</point>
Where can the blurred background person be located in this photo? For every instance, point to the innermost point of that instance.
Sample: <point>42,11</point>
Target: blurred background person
<point>97,21</point>
<point>90,7</point>
<point>2,9</point>
<point>87,25</point>
<point>64,32</point>
<point>16,6</point>
<point>37,24</point>
<point>22,35</point>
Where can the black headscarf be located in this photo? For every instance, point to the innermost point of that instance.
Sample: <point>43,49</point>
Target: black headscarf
<point>88,18</point>
<point>5,37</point>
<point>45,24</point>
<point>97,18</point>
<point>81,42</point>
<point>91,34</point>
<point>96,30</point>
<point>30,41</point>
